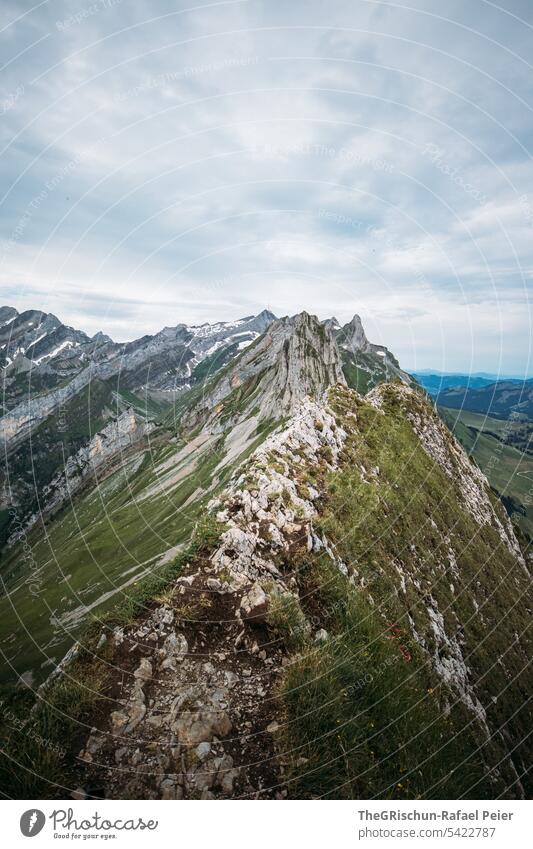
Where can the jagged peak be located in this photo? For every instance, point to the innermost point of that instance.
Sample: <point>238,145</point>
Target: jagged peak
<point>296,357</point>
<point>353,335</point>
<point>100,336</point>
<point>265,314</point>
<point>7,312</point>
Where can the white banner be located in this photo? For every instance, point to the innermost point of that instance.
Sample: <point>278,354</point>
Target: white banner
<point>234,824</point>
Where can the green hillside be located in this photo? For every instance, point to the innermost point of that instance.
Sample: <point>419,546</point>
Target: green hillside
<point>509,469</point>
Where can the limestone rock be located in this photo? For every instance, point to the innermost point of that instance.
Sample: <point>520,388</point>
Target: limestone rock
<point>201,727</point>
<point>255,605</point>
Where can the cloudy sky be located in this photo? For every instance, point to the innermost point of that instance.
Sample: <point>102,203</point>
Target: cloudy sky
<point>173,161</point>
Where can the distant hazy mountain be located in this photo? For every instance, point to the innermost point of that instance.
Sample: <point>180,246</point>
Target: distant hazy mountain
<point>435,382</point>
<point>501,400</point>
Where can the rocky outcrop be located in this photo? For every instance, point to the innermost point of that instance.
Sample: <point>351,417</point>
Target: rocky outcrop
<point>266,507</point>
<point>107,448</point>
<point>373,364</point>
<point>353,336</point>
<point>195,728</point>
<point>295,358</point>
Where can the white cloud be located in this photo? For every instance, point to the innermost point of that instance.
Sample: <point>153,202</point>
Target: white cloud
<point>337,158</point>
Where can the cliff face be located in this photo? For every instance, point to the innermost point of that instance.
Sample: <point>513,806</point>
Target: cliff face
<point>365,365</point>
<point>296,357</point>
<point>354,337</point>
<point>105,450</point>
<point>46,364</point>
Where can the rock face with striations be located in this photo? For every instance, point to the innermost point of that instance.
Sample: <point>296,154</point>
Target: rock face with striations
<point>295,358</point>
<point>354,337</point>
<point>110,447</point>
<point>364,363</point>
<point>58,362</point>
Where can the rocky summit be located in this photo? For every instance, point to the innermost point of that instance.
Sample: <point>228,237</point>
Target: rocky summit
<point>249,560</point>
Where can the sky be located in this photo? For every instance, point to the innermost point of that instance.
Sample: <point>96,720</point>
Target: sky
<point>167,162</point>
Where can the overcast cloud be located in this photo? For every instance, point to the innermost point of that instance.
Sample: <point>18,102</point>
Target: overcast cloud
<point>166,162</point>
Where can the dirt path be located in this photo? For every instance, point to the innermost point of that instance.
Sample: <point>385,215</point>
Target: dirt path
<point>194,694</point>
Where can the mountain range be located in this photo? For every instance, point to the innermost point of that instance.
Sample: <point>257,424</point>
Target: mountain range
<point>249,560</point>
<point>503,399</point>
<point>435,382</point>
<point>61,387</point>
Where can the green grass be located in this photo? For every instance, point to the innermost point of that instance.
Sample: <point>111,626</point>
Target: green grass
<point>144,404</point>
<point>509,469</point>
<point>357,378</point>
<point>93,551</point>
<point>365,715</point>
<point>96,549</point>
<point>286,619</point>
<point>39,750</point>
<point>407,516</point>
<point>514,433</point>
<point>33,762</point>
<point>33,464</point>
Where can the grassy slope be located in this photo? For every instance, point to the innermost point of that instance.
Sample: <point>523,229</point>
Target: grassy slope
<point>365,714</point>
<point>94,550</point>
<point>362,371</point>
<point>39,750</point>
<point>509,470</point>
<point>363,719</point>
<point>32,464</point>
<point>498,400</point>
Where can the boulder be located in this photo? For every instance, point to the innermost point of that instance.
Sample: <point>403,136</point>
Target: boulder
<point>255,605</point>
<point>144,671</point>
<point>173,650</point>
<point>201,727</point>
<point>321,636</point>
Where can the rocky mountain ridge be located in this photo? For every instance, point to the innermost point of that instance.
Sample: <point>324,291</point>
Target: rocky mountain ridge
<point>199,715</point>
<point>45,363</point>
<point>294,358</point>
<point>291,589</point>
<point>186,373</point>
